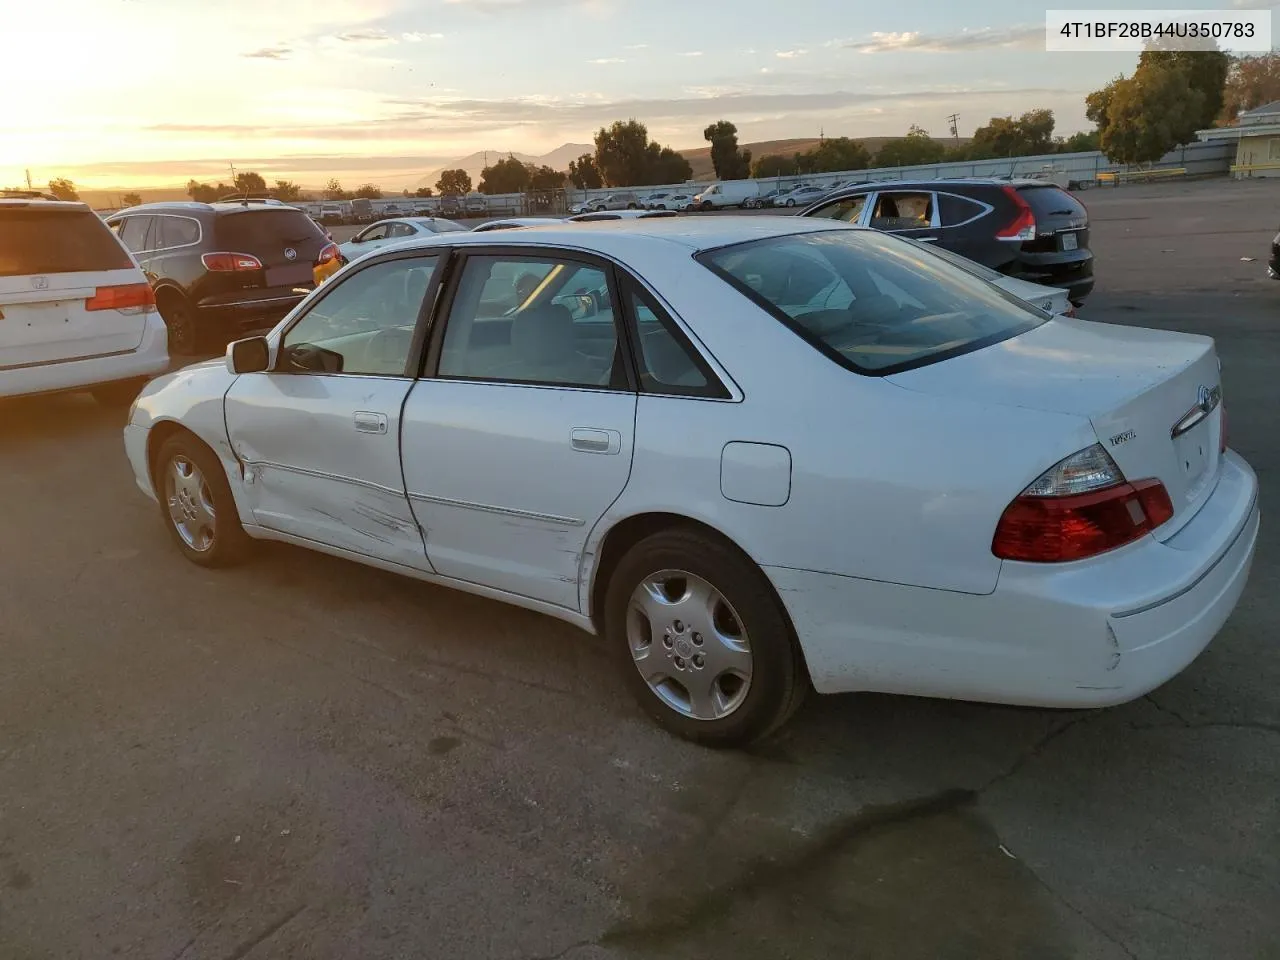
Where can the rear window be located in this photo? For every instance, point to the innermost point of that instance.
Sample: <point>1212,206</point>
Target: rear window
<point>254,229</point>
<point>1052,201</point>
<point>47,241</point>
<point>872,302</point>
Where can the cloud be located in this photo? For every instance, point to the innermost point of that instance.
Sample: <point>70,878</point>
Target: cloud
<point>790,54</point>
<point>1254,4</point>
<point>270,53</point>
<point>414,36</point>
<point>637,46</point>
<point>607,60</point>
<point>365,36</point>
<point>692,53</point>
<point>984,38</point>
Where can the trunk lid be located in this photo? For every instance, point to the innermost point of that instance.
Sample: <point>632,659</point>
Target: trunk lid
<point>1062,222</point>
<point>286,241</point>
<point>53,259</point>
<point>1137,387</point>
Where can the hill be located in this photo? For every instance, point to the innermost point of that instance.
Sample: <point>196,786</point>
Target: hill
<point>700,157</point>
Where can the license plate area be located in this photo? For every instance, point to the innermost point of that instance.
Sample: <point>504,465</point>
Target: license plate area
<point>1069,241</point>
<point>1194,453</point>
<point>289,276</point>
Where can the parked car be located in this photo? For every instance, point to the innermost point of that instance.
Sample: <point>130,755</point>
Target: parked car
<point>362,210</point>
<point>1273,263</point>
<point>761,200</point>
<point>1053,300</point>
<point>516,223</point>
<point>620,215</point>
<point>451,206</point>
<point>386,232</point>
<point>1029,229</point>
<point>76,310</point>
<point>223,268</point>
<point>1020,509</point>
<point>799,196</point>
<point>727,193</point>
<point>614,201</point>
<point>331,215</point>
<point>476,205</point>
<point>676,201</point>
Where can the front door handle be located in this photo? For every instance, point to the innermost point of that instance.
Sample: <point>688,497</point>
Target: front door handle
<point>594,440</point>
<point>927,239</point>
<point>368,422</point>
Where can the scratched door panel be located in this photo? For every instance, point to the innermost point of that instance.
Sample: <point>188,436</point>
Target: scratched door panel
<point>324,460</point>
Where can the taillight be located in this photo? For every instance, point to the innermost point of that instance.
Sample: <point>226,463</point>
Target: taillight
<point>230,262</point>
<point>1079,508</point>
<point>328,254</point>
<point>1023,226</point>
<point>129,298</point>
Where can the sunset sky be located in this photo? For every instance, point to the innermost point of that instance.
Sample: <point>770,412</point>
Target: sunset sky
<point>150,92</point>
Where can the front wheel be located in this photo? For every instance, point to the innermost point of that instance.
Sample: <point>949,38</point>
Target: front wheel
<point>196,503</point>
<point>791,203</point>
<point>703,641</point>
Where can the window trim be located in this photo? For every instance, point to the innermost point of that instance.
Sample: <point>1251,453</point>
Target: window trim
<point>986,209</point>
<point>813,212</point>
<point>934,221</point>
<point>146,234</point>
<point>703,257</point>
<point>180,246</point>
<point>713,389</point>
<point>439,327</point>
<point>413,359</point>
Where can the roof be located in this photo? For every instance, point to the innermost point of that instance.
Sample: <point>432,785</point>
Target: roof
<point>614,236</point>
<point>1240,131</point>
<point>1267,109</point>
<point>11,203</point>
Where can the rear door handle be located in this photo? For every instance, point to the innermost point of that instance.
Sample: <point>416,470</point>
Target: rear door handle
<point>927,239</point>
<point>594,440</point>
<point>368,422</point>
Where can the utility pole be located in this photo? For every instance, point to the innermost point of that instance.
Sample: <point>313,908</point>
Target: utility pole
<point>954,120</point>
<point>28,173</point>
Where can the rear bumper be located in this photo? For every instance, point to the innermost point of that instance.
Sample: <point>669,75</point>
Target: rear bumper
<point>1090,634</point>
<point>149,359</point>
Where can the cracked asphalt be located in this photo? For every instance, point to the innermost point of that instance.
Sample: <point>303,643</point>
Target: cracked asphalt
<point>306,758</point>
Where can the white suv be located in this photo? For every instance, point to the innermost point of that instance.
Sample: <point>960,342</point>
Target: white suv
<point>76,310</point>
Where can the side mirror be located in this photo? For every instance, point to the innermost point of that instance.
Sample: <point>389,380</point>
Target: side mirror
<point>252,355</point>
<point>356,240</point>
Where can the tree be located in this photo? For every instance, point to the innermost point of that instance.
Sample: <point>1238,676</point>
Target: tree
<point>1097,104</point>
<point>546,178</point>
<point>834,155</point>
<point>368,191</point>
<point>333,190</point>
<point>250,183</point>
<point>666,166</point>
<point>424,192</point>
<point>730,162</point>
<point>1251,82</point>
<point>622,153</point>
<point>1148,114</point>
<point>454,182</point>
<point>508,175</point>
<point>63,189</point>
<point>1079,142</point>
<point>584,174</point>
<point>773,165</point>
<point>131,199</point>
<point>1025,136</point>
<point>915,148</point>
<point>286,190</point>
<point>1206,73</point>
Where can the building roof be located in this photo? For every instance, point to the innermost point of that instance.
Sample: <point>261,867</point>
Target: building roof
<point>1266,110</point>
<point>1241,131</point>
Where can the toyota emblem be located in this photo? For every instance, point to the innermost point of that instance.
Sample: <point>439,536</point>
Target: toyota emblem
<point>290,253</point>
<point>40,283</point>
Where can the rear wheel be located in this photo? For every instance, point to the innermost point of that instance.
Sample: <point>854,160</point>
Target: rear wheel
<point>118,394</point>
<point>179,319</point>
<point>196,503</point>
<point>703,641</point>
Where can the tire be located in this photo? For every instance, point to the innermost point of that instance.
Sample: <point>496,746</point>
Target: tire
<point>206,497</point>
<point>118,394</point>
<point>179,320</point>
<point>733,712</point>
<point>791,202</point>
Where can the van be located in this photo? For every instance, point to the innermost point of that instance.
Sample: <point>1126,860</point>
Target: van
<point>727,193</point>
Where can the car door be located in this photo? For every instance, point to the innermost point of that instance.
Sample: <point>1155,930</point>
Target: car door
<point>962,229</point>
<point>519,436</point>
<point>911,213</point>
<point>371,238</point>
<point>319,433</point>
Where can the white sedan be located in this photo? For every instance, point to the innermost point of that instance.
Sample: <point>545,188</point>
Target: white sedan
<point>755,454</point>
<point>386,232</point>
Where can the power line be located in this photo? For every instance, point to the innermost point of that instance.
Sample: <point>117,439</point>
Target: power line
<point>954,120</point>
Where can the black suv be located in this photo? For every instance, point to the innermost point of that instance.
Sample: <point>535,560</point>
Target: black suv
<point>1029,229</point>
<point>220,269</point>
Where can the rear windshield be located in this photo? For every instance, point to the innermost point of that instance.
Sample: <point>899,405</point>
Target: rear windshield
<point>872,301</point>
<point>1052,201</point>
<point>254,229</point>
<point>62,241</point>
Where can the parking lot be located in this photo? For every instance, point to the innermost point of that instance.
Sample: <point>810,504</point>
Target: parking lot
<point>303,757</point>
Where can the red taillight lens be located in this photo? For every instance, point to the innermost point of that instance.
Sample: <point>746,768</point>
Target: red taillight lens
<point>230,262</point>
<point>1023,226</point>
<point>328,254</point>
<point>1057,529</point>
<point>130,297</point>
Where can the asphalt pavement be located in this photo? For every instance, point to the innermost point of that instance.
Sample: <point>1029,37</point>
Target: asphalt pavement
<point>303,757</point>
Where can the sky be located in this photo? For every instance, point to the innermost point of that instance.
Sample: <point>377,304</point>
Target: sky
<point>132,93</point>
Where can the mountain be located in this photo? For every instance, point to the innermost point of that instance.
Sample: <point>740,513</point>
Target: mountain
<point>557,159</point>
